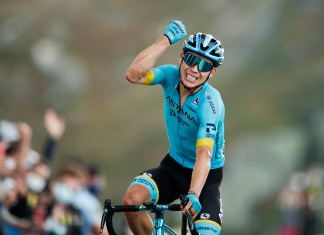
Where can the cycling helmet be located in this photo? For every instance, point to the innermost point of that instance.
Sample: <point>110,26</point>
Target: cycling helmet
<point>205,45</point>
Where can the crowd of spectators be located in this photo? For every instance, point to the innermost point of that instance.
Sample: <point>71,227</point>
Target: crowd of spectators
<point>301,202</point>
<point>32,200</point>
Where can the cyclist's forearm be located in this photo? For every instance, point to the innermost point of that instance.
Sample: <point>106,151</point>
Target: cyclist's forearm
<point>146,59</point>
<point>201,170</point>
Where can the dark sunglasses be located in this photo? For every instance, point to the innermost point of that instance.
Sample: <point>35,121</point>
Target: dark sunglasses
<point>192,60</point>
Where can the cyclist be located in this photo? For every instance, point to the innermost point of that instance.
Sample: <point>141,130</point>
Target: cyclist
<point>194,117</point>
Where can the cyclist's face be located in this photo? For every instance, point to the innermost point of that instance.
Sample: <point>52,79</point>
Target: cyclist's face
<point>191,76</point>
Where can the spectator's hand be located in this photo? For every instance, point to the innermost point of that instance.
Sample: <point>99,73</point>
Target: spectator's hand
<point>24,146</point>
<point>175,31</point>
<point>54,124</point>
<point>25,131</point>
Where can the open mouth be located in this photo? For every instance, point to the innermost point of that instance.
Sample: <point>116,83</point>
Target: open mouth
<point>191,78</point>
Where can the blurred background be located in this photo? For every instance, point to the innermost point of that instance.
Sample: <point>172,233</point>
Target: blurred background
<point>71,56</point>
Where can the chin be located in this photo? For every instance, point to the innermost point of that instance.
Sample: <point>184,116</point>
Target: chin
<point>190,84</point>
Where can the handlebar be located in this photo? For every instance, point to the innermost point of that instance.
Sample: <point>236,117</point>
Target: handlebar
<point>109,211</point>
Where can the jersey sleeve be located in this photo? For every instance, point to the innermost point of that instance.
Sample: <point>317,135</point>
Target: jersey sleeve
<point>160,75</point>
<point>209,116</point>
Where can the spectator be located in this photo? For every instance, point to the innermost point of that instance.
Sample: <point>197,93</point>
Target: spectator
<point>300,200</point>
<point>16,141</point>
<point>70,191</point>
<point>38,177</point>
<point>292,201</point>
<point>9,223</point>
<point>15,138</point>
<point>96,181</point>
<point>30,170</point>
<point>32,205</point>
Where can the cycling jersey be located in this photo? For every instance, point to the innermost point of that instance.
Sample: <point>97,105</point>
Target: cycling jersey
<point>198,122</point>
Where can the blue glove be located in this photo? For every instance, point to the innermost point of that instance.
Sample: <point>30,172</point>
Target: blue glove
<point>195,204</point>
<point>175,31</point>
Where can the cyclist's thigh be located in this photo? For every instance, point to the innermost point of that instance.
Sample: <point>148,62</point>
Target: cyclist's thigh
<point>209,219</point>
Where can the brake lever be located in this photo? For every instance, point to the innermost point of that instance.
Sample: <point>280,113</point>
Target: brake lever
<point>190,220</point>
<point>107,218</point>
<point>184,200</point>
<point>103,219</point>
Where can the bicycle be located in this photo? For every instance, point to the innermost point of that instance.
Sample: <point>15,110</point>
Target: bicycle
<point>159,227</point>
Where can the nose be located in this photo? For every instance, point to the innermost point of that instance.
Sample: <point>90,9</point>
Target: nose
<point>194,68</point>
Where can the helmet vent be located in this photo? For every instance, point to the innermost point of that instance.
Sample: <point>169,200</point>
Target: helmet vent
<point>206,41</point>
<point>192,41</point>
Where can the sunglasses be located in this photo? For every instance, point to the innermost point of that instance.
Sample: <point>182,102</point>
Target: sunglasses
<point>192,60</point>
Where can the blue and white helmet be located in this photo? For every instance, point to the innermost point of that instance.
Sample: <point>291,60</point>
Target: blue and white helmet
<point>205,45</point>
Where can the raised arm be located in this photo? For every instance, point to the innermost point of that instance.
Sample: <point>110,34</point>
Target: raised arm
<point>147,58</point>
<point>55,128</point>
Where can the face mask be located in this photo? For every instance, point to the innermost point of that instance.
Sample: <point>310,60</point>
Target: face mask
<point>63,193</point>
<point>10,163</point>
<point>9,131</point>
<point>31,158</point>
<point>35,182</point>
<point>6,185</point>
<point>95,188</point>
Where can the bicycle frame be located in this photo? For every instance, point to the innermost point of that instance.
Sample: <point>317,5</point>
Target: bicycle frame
<point>159,226</point>
<point>158,222</point>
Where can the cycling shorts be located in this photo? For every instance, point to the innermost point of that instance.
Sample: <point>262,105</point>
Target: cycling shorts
<point>170,180</point>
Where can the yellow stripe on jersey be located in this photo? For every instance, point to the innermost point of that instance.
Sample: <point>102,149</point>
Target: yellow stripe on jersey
<point>149,77</point>
<point>205,142</point>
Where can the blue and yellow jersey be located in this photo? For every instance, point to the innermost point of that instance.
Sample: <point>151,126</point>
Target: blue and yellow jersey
<point>198,122</point>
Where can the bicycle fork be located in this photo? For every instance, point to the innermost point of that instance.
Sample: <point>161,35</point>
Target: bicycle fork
<point>158,223</point>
